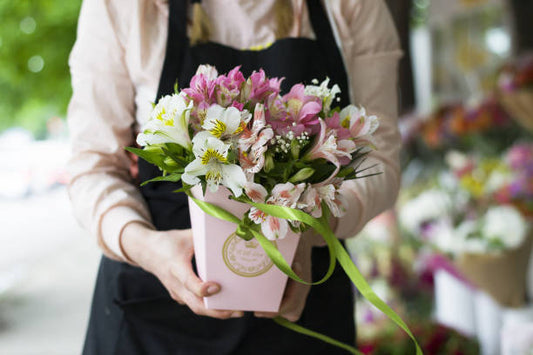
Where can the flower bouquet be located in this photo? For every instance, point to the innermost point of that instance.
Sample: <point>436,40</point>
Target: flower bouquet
<point>259,168</point>
<point>516,90</point>
<point>478,216</point>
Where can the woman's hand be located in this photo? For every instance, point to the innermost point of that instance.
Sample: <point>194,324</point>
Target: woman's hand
<point>168,255</point>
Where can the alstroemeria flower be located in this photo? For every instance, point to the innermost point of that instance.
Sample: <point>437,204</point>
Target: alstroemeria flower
<point>168,123</point>
<point>311,200</point>
<point>313,197</point>
<point>286,195</point>
<point>258,87</point>
<point>326,147</point>
<point>360,124</point>
<point>302,112</point>
<point>202,86</point>
<point>324,93</point>
<point>252,142</point>
<point>334,123</point>
<point>333,199</point>
<point>229,87</point>
<point>225,122</point>
<point>212,162</point>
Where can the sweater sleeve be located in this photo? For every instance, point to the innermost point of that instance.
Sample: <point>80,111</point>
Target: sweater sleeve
<point>100,120</point>
<point>371,52</point>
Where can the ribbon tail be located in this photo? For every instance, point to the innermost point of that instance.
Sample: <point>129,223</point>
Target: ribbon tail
<point>302,330</point>
<point>359,281</point>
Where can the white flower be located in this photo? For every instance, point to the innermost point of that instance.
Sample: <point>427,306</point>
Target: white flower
<point>457,160</point>
<point>323,92</point>
<point>169,123</point>
<point>443,236</point>
<point>208,71</point>
<point>428,206</point>
<point>335,201</point>
<point>286,195</point>
<point>498,179</point>
<point>505,224</point>
<point>361,126</point>
<point>468,239</point>
<point>224,122</point>
<point>312,202</point>
<point>255,140</point>
<point>212,161</point>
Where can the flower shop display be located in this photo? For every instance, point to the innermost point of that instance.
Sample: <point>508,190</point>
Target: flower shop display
<point>477,214</point>
<point>259,168</point>
<point>516,89</point>
<point>403,277</point>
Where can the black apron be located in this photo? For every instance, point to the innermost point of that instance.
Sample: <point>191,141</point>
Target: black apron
<point>132,313</point>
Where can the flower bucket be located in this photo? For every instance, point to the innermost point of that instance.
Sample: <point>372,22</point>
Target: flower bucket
<point>520,105</point>
<point>503,276</point>
<point>249,280</point>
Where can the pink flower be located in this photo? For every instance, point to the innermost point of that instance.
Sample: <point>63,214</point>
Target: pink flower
<point>302,112</point>
<point>520,156</point>
<point>334,123</point>
<point>228,87</point>
<point>326,147</point>
<point>258,87</point>
<point>286,195</point>
<point>201,89</point>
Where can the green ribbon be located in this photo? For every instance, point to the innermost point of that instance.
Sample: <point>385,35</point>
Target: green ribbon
<point>302,330</point>
<point>337,252</point>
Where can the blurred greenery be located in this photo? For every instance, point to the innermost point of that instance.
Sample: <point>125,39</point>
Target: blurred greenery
<point>36,37</point>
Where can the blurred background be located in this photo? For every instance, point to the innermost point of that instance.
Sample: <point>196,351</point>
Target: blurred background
<point>453,257</point>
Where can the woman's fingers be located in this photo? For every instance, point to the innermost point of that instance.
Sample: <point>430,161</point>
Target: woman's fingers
<point>183,295</point>
<point>197,305</point>
<point>183,271</point>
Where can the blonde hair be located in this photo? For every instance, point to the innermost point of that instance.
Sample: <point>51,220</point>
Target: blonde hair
<point>202,28</point>
<point>284,13</point>
<point>201,25</point>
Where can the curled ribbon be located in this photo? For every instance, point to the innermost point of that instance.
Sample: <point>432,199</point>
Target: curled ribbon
<point>336,252</point>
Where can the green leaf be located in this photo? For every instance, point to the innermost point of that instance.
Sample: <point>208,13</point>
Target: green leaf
<point>154,157</point>
<point>171,178</point>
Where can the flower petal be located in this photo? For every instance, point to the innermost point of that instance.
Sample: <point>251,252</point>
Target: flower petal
<point>274,228</point>
<point>256,192</point>
<point>233,178</point>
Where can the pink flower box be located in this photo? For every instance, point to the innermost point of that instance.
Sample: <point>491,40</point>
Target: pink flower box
<point>249,279</point>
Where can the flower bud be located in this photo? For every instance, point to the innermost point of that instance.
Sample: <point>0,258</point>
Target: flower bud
<point>269,162</point>
<point>302,175</point>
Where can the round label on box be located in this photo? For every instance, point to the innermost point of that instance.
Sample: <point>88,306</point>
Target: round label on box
<point>245,258</point>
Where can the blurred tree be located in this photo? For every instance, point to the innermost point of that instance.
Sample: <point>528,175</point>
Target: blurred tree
<point>35,40</point>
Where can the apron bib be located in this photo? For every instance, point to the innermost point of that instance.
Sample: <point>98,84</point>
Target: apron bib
<point>132,313</point>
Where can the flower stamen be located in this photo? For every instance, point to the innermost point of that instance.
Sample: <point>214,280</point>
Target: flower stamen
<point>213,154</point>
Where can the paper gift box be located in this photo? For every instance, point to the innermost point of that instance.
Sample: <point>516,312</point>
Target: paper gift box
<point>249,280</point>
<point>503,275</point>
<point>519,104</point>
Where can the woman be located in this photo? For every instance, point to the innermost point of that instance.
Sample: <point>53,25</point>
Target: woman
<point>147,298</point>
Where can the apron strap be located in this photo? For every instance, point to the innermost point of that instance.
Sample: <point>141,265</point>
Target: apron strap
<point>177,41</point>
<point>326,41</point>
